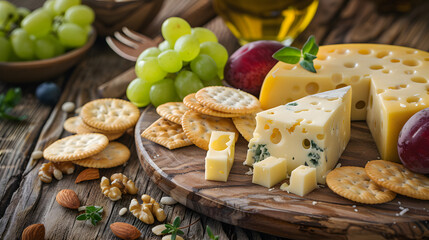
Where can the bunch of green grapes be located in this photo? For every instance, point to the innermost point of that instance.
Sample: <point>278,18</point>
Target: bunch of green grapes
<point>46,32</point>
<point>188,60</point>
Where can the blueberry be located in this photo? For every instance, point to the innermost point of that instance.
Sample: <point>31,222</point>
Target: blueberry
<point>48,93</point>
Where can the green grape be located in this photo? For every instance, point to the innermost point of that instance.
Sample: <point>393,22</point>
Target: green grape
<point>188,47</point>
<point>220,73</point>
<point>88,29</point>
<point>164,46</point>
<point>44,47</point>
<point>37,23</point>
<point>22,45</point>
<point>5,49</point>
<point>205,67</point>
<point>49,6</point>
<point>170,61</point>
<point>163,91</point>
<point>216,51</point>
<point>149,70</point>
<point>72,35</point>
<point>216,81</point>
<point>173,28</point>
<point>8,15</point>
<point>187,82</point>
<point>149,52</point>
<point>81,15</point>
<point>138,92</point>
<point>23,12</point>
<point>61,6</point>
<point>203,35</point>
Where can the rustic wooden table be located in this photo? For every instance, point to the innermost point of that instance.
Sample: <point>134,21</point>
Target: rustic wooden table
<point>24,200</point>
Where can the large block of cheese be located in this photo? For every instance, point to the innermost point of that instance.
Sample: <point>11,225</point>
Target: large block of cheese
<point>312,131</point>
<point>220,156</point>
<point>390,84</point>
<point>269,172</point>
<point>302,181</point>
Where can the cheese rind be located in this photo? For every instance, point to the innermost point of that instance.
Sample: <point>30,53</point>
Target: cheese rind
<point>302,181</point>
<point>269,172</point>
<point>390,84</point>
<point>220,156</point>
<point>311,131</point>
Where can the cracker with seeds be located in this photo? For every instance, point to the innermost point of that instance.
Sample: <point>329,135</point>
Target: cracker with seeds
<point>172,111</point>
<point>110,114</point>
<point>71,124</point>
<point>75,147</point>
<point>353,183</point>
<point>397,178</point>
<point>198,127</point>
<point>191,102</point>
<point>246,125</point>
<point>115,154</point>
<point>167,134</point>
<point>226,99</point>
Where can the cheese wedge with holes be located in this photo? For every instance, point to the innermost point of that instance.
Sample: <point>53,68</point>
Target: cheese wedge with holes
<point>390,84</point>
<point>312,131</point>
<point>220,156</point>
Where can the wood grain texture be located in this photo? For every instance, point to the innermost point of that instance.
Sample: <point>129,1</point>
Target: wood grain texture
<point>180,173</point>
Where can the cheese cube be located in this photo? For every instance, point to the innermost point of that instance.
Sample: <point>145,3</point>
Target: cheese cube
<point>302,181</point>
<point>312,131</point>
<point>389,85</point>
<point>220,156</point>
<point>269,172</point>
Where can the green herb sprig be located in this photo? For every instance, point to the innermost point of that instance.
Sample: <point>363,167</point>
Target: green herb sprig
<point>173,229</point>
<point>210,233</point>
<point>92,213</point>
<point>305,56</point>
<point>8,101</point>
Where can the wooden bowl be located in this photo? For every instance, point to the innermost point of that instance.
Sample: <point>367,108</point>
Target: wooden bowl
<point>39,70</point>
<point>111,15</point>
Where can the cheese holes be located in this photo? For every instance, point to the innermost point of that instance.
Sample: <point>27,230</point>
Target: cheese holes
<point>427,89</point>
<point>320,136</point>
<point>410,72</point>
<point>343,51</point>
<point>341,85</point>
<point>360,104</point>
<point>386,71</point>
<point>413,99</point>
<point>395,60</point>
<point>376,67</point>
<point>337,78</point>
<point>364,51</point>
<point>350,65</point>
<point>332,99</point>
<point>390,98</point>
<point>276,136</point>
<point>383,54</point>
<point>306,143</point>
<point>419,80</point>
<point>317,66</point>
<point>380,91</point>
<point>411,52</point>
<point>266,127</point>
<point>427,59</point>
<point>303,110</point>
<point>312,88</point>
<point>321,57</point>
<point>220,143</point>
<point>410,62</point>
<point>314,103</point>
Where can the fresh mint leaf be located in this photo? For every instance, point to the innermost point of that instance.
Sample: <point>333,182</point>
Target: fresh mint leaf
<point>82,217</point>
<point>305,56</point>
<point>289,55</point>
<point>8,101</point>
<point>210,233</point>
<point>176,222</point>
<point>92,213</point>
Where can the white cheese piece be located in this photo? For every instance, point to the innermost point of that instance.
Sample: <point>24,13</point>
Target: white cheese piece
<point>269,172</point>
<point>302,181</point>
<point>220,156</point>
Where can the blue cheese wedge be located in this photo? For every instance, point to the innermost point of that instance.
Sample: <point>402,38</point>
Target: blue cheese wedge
<point>220,156</point>
<point>312,131</point>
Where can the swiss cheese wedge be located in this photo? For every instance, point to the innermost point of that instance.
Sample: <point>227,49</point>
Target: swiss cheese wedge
<point>390,84</point>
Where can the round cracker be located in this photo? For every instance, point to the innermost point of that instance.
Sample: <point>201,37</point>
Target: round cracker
<point>172,111</point>
<point>110,114</point>
<point>71,124</point>
<point>226,99</point>
<point>353,183</point>
<point>397,178</point>
<point>75,147</point>
<point>198,127</point>
<point>85,128</point>
<point>115,154</point>
<point>191,102</point>
<point>246,125</point>
<point>82,129</point>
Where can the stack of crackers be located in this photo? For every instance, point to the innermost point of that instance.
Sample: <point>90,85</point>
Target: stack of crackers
<point>100,121</point>
<point>214,108</point>
<point>378,182</point>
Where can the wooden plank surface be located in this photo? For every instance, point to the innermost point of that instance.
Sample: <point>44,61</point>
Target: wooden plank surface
<point>24,200</point>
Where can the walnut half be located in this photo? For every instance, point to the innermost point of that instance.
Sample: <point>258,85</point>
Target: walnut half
<point>146,211</point>
<point>120,185</point>
<point>112,192</point>
<point>56,169</point>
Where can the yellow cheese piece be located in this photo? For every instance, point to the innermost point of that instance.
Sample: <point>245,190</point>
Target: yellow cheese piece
<point>220,156</point>
<point>390,84</point>
<point>311,131</point>
<point>302,181</point>
<point>269,172</point>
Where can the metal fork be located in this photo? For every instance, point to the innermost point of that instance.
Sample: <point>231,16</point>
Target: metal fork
<point>129,44</point>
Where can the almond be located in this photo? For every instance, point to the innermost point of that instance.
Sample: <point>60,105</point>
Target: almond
<point>68,198</point>
<point>34,232</point>
<point>125,231</point>
<point>88,174</point>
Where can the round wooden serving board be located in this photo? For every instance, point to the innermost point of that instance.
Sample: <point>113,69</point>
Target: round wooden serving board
<point>322,213</point>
